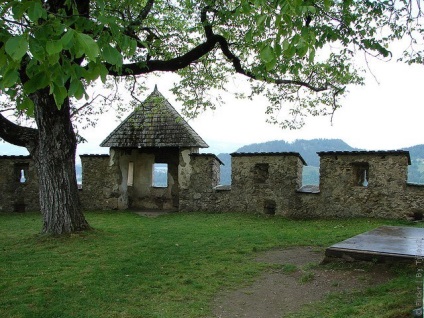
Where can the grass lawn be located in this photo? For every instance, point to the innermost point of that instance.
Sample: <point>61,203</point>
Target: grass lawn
<point>171,266</point>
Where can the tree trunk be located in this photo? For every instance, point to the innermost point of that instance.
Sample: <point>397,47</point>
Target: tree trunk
<point>54,157</point>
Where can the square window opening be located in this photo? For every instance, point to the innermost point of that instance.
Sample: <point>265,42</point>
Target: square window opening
<point>160,175</point>
<point>261,172</point>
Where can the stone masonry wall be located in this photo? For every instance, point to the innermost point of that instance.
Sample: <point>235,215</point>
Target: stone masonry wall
<point>18,184</point>
<point>363,184</point>
<point>124,180</point>
<point>352,184</point>
<point>265,182</point>
<point>261,183</point>
<point>99,183</point>
<point>200,192</point>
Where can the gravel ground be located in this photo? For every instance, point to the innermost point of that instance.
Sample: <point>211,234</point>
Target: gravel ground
<point>278,292</point>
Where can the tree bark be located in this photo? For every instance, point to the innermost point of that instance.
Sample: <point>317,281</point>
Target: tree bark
<point>54,158</point>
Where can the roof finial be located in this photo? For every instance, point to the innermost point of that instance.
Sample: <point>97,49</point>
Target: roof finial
<point>156,88</point>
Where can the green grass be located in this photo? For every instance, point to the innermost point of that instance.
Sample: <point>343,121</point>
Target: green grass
<point>395,299</point>
<point>171,266</point>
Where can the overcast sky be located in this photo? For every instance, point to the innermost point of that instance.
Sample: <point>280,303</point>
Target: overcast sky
<point>383,115</point>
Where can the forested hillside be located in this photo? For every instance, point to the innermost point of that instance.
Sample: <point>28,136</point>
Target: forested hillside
<point>308,150</point>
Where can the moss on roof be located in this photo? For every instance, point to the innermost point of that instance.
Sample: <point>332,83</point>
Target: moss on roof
<point>155,123</point>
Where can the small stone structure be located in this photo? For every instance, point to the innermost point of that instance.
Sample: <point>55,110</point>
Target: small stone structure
<point>155,142</point>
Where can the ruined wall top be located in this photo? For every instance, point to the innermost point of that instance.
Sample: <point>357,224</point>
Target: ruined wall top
<point>269,154</point>
<point>210,155</point>
<point>15,157</point>
<point>94,155</point>
<point>362,153</point>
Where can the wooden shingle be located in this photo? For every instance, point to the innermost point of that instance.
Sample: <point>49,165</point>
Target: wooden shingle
<point>155,123</point>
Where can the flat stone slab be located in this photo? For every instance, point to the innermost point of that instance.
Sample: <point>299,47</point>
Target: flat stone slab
<point>383,243</point>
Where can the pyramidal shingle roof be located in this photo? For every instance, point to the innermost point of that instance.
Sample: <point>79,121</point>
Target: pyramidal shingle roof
<point>155,123</point>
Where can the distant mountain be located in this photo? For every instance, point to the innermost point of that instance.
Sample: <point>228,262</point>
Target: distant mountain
<point>416,169</point>
<point>226,168</point>
<point>308,150</point>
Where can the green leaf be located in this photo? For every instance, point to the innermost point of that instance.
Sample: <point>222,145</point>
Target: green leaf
<point>278,49</point>
<point>26,105</point>
<point>327,4</point>
<point>88,45</point>
<point>290,52</point>
<point>267,54</point>
<point>36,11</point>
<point>59,94</point>
<point>246,7</point>
<point>3,58</point>
<point>67,39</point>
<point>101,5</point>
<point>311,55</point>
<point>261,20</point>
<point>38,81</point>
<point>54,47</point>
<point>91,73</point>
<point>302,50</point>
<point>36,49</point>
<point>249,36</point>
<point>19,8</point>
<point>103,72</point>
<point>270,65</point>
<point>76,89</point>
<point>10,77</point>
<point>112,55</point>
<point>312,9</point>
<point>286,44</point>
<point>132,47</point>
<point>16,47</point>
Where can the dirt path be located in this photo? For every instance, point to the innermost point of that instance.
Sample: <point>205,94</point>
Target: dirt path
<point>298,282</point>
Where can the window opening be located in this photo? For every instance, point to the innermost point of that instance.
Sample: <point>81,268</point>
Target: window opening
<point>160,175</point>
<point>261,172</point>
<point>130,179</point>
<point>361,174</point>
<point>23,178</point>
<point>21,172</point>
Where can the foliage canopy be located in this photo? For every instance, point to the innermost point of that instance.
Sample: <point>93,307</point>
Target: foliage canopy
<point>296,51</point>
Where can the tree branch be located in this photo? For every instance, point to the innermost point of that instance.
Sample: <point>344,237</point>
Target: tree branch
<point>170,65</point>
<point>146,10</point>
<point>201,50</point>
<point>17,135</point>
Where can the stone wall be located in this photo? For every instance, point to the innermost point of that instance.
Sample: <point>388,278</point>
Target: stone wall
<point>261,183</point>
<point>100,180</point>
<point>365,184</point>
<point>352,184</point>
<point>200,192</point>
<point>18,184</point>
<point>125,178</point>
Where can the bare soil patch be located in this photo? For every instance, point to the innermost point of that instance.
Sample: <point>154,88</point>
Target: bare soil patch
<point>299,281</point>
